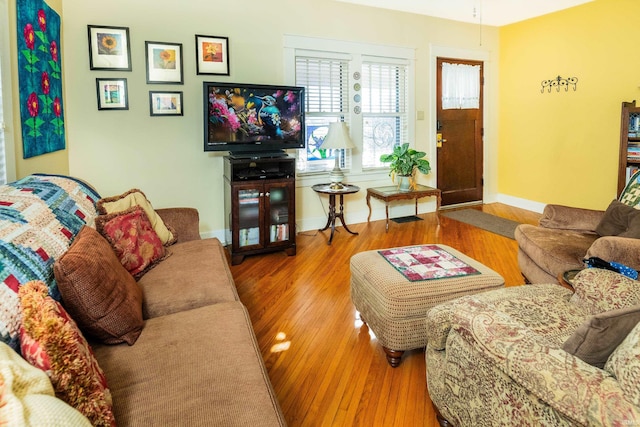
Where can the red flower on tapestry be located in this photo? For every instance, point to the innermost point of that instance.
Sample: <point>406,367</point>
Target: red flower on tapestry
<point>57,107</point>
<point>42,20</point>
<point>46,85</point>
<point>53,48</point>
<point>32,104</point>
<point>29,36</point>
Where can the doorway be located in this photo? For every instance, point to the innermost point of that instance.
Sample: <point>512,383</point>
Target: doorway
<point>459,114</point>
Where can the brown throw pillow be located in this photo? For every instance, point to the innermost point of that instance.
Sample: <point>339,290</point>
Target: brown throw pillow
<point>98,291</point>
<point>617,220</point>
<point>598,337</point>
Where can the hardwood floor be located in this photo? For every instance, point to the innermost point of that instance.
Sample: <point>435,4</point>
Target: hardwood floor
<point>327,369</point>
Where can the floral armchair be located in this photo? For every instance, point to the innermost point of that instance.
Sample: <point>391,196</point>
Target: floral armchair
<point>566,235</point>
<point>509,356</point>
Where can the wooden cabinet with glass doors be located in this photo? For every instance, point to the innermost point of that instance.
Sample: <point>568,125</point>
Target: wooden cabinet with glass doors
<point>259,206</point>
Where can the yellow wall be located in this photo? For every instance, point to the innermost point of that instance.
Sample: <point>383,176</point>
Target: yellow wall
<point>163,156</point>
<point>56,162</point>
<point>563,147</point>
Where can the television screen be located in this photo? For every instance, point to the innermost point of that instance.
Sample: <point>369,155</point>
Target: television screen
<point>246,118</point>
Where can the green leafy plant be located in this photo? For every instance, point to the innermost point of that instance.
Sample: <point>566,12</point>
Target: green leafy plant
<point>404,161</point>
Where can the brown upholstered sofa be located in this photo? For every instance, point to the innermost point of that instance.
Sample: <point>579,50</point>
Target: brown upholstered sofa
<point>538,355</point>
<point>193,359</point>
<point>196,361</point>
<point>567,235</point>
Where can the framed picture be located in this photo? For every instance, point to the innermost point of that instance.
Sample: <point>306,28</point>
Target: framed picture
<point>109,48</point>
<point>165,103</point>
<point>112,94</point>
<point>164,62</point>
<point>212,55</point>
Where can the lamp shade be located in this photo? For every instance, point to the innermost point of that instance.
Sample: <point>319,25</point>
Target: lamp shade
<point>337,137</point>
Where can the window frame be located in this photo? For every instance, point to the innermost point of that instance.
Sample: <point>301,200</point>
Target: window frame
<point>357,52</point>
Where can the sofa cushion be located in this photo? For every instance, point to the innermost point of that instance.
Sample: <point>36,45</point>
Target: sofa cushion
<point>196,274</point>
<point>28,398</point>
<point>132,198</point>
<point>51,341</point>
<point>199,367</point>
<point>624,364</point>
<point>553,250</point>
<point>598,337</point>
<point>98,292</point>
<point>132,237</point>
<point>600,290</point>
<point>620,220</point>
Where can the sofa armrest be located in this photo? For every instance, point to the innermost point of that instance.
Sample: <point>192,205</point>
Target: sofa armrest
<point>581,392</point>
<point>624,250</point>
<point>185,221</point>
<point>438,325</point>
<point>570,218</point>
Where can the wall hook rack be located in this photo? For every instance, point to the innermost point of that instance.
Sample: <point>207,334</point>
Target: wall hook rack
<point>559,82</point>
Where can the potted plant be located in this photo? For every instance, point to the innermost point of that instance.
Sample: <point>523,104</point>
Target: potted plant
<point>404,162</point>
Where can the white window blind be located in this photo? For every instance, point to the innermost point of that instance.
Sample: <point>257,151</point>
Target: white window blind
<point>384,110</point>
<point>460,86</point>
<point>326,100</point>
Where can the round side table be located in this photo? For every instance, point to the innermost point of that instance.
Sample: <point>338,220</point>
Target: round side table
<point>332,192</point>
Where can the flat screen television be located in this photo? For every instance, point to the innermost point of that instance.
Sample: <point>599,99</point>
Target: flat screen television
<point>249,118</point>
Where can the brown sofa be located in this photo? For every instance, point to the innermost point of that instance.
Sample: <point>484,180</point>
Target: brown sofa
<point>196,361</point>
<point>565,236</point>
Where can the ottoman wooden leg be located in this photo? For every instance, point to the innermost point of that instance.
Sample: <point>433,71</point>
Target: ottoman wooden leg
<point>393,356</point>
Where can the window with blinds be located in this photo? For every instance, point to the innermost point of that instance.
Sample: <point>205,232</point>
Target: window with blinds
<point>326,100</point>
<point>384,110</point>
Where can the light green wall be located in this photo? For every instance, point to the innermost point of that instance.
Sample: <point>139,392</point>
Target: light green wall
<point>563,147</point>
<point>58,161</point>
<point>163,156</point>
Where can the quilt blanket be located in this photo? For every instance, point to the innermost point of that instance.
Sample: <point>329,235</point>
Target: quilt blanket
<point>426,262</point>
<point>39,217</point>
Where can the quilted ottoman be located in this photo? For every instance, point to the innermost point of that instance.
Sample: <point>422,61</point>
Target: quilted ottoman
<point>394,288</point>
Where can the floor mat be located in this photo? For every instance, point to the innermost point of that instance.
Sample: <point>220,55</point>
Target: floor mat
<point>495,224</point>
<point>403,219</point>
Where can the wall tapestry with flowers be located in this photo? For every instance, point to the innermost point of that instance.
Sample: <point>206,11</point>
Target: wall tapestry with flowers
<point>40,78</point>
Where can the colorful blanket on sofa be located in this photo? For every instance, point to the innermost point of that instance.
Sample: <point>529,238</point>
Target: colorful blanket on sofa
<point>39,217</point>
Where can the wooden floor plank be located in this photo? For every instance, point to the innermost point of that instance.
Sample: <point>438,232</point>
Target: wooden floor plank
<point>326,367</point>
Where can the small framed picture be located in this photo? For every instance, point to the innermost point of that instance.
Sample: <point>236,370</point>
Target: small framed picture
<point>112,94</point>
<point>109,48</point>
<point>165,103</point>
<point>164,62</point>
<point>212,55</point>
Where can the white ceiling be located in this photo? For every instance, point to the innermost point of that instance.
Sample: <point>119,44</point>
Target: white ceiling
<point>486,12</point>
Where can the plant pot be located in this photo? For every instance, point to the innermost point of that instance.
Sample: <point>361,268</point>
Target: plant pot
<point>404,183</point>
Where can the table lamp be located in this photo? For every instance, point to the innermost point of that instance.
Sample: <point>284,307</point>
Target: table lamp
<point>337,139</point>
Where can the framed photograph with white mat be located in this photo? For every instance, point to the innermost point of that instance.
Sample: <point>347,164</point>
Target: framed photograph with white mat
<point>109,48</point>
<point>212,55</point>
<point>112,94</point>
<point>164,62</point>
<point>165,103</point>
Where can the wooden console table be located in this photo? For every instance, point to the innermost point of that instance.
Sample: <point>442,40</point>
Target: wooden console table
<point>391,192</point>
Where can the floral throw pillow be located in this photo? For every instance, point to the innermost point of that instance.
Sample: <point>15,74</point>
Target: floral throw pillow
<point>131,235</point>
<point>133,198</point>
<point>50,340</point>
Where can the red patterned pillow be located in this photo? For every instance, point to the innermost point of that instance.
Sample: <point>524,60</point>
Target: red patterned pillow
<point>51,341</point>
<point>131,235</point>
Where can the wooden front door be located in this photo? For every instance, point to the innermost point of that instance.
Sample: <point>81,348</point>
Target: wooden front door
<point>460,147</point>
